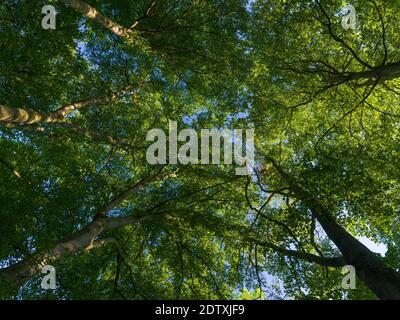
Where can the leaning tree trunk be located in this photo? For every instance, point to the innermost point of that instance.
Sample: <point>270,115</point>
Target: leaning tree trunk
<point>91,13</point>
<point>24,116</point>
<point>383,73</point>
<point>383,280</point>
<point>14,276</point>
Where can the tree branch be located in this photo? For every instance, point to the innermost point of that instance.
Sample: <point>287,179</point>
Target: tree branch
<point>93,14</point>
<point>322,261</point>
<point>29,116</point>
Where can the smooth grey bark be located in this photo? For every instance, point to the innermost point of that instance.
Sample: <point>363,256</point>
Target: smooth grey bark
<point>24,116</point>
<point>95,15</point>
<point>383,280</point>
<point>17,274</point>
<point>380,278</point>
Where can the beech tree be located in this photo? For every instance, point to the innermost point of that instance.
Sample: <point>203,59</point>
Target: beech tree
<point>77,191</point>
<point>328,128</point>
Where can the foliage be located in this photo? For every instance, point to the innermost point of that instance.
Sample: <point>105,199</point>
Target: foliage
<point>285,68</point>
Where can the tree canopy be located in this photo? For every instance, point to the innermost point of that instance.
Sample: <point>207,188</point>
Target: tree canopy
<point>76,189</point>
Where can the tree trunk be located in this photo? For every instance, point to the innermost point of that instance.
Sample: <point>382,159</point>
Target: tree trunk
<point>16,275</point>
<point>29,116</point>
<point>26,116</point>
<point>380,278</point>
<point>95,15</point>
<point>383,73</point>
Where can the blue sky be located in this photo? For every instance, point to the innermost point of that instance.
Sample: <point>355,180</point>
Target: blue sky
<point>373,246</point>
